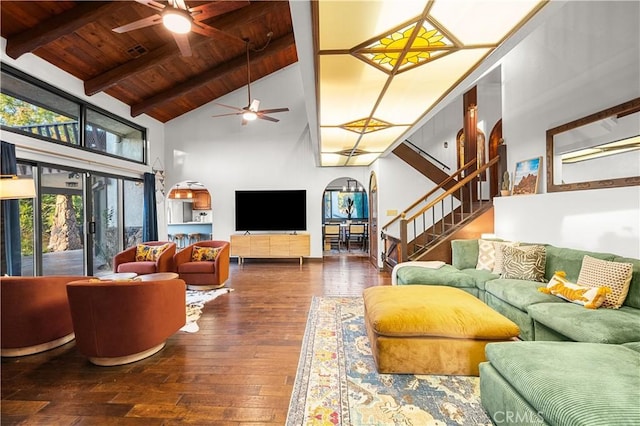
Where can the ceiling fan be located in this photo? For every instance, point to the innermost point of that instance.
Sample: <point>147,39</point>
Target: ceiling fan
<point>180,20</point>
<point>252,111</point>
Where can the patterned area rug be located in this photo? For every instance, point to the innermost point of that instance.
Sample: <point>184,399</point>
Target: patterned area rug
<point>196,300</point>
<point>337,382</point>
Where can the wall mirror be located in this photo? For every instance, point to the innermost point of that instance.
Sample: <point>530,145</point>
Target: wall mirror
<point>601,150</point>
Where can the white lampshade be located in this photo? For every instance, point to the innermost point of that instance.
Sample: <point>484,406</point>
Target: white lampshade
<point>249,115</point>
<point>177,21</point>
<point>14,188</point>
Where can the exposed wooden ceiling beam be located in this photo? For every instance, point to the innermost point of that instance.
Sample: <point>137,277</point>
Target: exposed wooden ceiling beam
<point>213,74</point>
<point>59,26</point>
<point>231,22</point>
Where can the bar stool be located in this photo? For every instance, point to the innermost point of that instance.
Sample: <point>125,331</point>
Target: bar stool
<point>180,240</point>
<point>193,237</point>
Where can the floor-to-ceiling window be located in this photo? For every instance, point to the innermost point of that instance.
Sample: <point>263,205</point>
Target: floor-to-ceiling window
<point>79,220</point>
<point>80,217</point>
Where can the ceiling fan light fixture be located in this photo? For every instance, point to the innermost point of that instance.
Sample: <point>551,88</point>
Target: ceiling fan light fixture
<point>249,115</point>
<point>177,21</point>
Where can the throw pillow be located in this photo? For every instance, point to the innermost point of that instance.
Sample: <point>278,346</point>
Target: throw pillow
<point>146,253</point>
<point>589,297</point>
<point>200,254</point>
<point>524,263</point>
<point>499,255</point>
<point>486,255</point>
<point>604,273</point>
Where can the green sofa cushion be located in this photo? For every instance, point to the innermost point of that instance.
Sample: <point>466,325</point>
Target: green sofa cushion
<point>632,345</point>
<point>446,275</point>
<point>589,325</point>
<point>481,276</point>
<point>519,293</point>
<point>464,253</point>
<point>569,261</point>
<point>571,383</point>
<point>633,298</point>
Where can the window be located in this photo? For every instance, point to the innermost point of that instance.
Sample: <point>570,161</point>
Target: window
<point>27,108</point>
<point>31,107</point>
<point>111,136</point>
<point>336,205</point>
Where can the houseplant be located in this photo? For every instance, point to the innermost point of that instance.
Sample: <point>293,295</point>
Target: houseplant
<point>504,190</point>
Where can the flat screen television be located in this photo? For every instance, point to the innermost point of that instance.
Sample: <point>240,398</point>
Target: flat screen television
<point>271,210</point>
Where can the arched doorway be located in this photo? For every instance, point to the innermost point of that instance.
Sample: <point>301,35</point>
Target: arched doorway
<point>345,209</point>
<point>189,213</point>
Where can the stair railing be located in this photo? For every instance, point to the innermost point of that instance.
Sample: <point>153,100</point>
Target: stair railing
<point>437,218</point>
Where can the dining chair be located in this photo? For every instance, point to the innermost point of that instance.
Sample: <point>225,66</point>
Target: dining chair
<point>356,235</point>
<point>332,235</point>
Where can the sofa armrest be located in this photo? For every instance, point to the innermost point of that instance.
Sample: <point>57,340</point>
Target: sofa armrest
<point>165,263</point>
<point>127,255</point>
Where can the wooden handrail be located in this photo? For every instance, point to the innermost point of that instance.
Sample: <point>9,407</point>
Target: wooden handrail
<point>457,186</point>
<point>431,192</point>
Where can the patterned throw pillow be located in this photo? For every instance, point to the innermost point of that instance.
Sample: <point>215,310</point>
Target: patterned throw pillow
<point>499,255</point>
<point>145,253</point>
<point>486,255</point>
<point>200,254</point>
<point>604,273</point>
<point>524,263</point>
<point>589,297</point>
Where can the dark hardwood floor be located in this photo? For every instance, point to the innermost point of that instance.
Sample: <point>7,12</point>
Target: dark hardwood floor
<point>239,369</point>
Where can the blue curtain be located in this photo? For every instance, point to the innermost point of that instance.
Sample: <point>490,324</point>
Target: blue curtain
<point>12,260</point>
<point>149,210</point>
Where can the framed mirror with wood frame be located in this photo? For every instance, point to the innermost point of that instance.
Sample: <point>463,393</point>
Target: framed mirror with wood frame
<point>601,150</point>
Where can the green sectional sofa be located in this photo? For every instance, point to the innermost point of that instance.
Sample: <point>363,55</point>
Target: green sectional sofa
<point>561,383</point>
<point>540,316</point>
<point>575,366</point>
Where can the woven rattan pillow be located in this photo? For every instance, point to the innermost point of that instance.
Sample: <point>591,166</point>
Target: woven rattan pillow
<point>604,273</point>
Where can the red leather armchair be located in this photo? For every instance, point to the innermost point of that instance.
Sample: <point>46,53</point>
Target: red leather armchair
<point>125,261</point>
<point>119,322</point>
<point>35,315</point>
<point>203,275</point>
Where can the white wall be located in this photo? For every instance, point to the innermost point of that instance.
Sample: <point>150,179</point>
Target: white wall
<point>607,221</point>
<point>585,58</point>
<point>225,156</point>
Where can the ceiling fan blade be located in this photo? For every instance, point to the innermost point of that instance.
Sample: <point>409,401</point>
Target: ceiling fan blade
<point>270,111</point>
<point>226,115</point>
<point>180,4</point>
<point>182,40</point>
<point>141,23</point>
<point>255,105</point>
<point>215,8</point>
<point>207,31</point>
<point>240,110</point>
<point>266,117</point>
<point>152,4</point>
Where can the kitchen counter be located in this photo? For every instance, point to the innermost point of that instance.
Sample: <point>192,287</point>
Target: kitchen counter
<point>203,228</point>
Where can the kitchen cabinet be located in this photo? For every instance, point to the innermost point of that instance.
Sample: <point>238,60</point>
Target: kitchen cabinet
<point>201,200</point>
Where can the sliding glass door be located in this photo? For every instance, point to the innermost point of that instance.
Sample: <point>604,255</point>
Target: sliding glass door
<point>62,203</point>
<point>78,222</point>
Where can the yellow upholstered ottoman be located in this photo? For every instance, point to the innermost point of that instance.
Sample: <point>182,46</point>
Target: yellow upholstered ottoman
<point>423,329</point>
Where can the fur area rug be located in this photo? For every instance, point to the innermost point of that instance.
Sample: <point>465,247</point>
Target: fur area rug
<point>196,300</point>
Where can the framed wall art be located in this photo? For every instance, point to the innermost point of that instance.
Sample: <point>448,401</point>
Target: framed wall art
<point>526,176</point>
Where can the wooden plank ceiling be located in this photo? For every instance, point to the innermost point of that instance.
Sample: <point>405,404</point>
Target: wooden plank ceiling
<point>144,68</point>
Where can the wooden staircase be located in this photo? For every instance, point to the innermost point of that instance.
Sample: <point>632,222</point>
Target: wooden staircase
<point>458,207</point>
